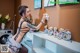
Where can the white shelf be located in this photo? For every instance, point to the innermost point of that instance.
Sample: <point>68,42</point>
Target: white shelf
<point>74,46</point>
<point>28,39</point>
<point>42,50</point>
<point>43,43</point>
<point>27,42</point>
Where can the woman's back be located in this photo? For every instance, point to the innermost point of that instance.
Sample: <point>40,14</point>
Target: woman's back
<point>19,35</point>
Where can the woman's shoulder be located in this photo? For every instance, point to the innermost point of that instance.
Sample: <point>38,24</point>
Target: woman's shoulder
<point>24,24</point>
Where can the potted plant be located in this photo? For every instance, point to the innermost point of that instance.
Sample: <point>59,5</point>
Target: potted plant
<point>3,20</point>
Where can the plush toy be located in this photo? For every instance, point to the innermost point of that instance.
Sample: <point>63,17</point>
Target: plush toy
<point>61,33</point>
<point>46,29</point>
<point>55,31</point>
<point>64,34</point>
<point>46,15</point>
<point>67,35</point>
<point>50,32</point>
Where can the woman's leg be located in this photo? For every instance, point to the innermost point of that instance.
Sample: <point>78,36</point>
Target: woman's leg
<point>23,50</point>
<point>13,45</point>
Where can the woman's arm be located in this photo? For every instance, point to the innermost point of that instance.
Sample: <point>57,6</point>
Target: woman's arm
<point>43,21</point>
<point>24,30</point>
<point>35,27</point>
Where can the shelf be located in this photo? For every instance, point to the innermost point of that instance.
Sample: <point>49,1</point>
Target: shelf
<point>28,45</point>
<point>29,35</point>
<point>27,42</point>
<point>42,50</point>
<point>74,46</point>
<point>39,42</point>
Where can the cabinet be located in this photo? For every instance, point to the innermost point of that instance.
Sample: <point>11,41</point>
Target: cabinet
<point>41,45</point>
<point>39,42</point>
<point>27,42</point>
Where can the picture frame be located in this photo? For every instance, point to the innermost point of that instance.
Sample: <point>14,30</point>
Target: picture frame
<point>68,2</point>
<point>49,3</point>
<point>37,4</point>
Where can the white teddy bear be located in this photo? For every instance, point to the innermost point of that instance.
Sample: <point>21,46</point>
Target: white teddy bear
<point>55,31</point>
<point>46,16</point>
<point>64,34</point>
<point>46,29</point>
<point>50,32</point>
<point>61,33</point>
<point>67,35</point>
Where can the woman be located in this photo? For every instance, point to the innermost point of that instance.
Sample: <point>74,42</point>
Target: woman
<point>23,27</point>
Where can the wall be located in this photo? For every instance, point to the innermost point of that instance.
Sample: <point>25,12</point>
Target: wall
<point>30,4</point>
<point>70,19</point>
<point>17,4</point>
<point>60,16</point>
<point>7,7</point>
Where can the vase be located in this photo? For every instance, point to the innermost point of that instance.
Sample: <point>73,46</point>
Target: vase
<point>3,26</point>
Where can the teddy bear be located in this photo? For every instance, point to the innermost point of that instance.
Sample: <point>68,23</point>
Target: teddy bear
<point>46,29</point>
<point>50,31</point>
<point>55,31</point>
<point>67,35</point>
<point>61,33</point>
